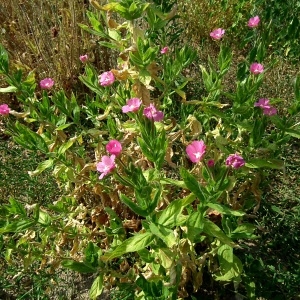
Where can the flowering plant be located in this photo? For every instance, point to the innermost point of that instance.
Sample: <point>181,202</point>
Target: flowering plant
<point>170,184</point>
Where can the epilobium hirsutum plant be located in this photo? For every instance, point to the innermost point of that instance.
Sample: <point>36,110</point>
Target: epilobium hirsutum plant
<point>169,202</point>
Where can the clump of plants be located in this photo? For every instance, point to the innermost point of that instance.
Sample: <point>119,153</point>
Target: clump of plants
<point>158,186</point>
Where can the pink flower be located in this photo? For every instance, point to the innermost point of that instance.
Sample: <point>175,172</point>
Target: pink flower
<point>164,50</point>
<point>196,151</point>
<point>211,163</point>
<point>253,22</point>
<point>152,113</point>
<point>4,109</point>
<point>267,108</point>
<point>235,161</point>
<point>106,78</point>
<point>47,83</point>
<point>217,33</point>
<point>262,103</point>
<point>256,68</point>
<point>114,147</point>
<point>132,105</point>
<point>83,58</point>
<point>106,165</point>
<point>271,111</point>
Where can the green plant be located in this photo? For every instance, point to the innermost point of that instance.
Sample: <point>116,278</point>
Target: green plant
<point>281,14</point>
<point>158,223</point>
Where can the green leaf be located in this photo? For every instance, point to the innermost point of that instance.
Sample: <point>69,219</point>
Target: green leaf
<point>230,266</point>
<point>77,266</point>
<point>146,287</point>
<point>193,185</point>
<point>258,131</point>
<point>243,231</point>
<point>3,60</point>
<point>155,200</point>
<point>212,229</point>
<point>166,257</point>
<point>297,88</point>
<point>133,244</point>
<point>96,288</point>
<point>44,218</point>
<point>224,59</point>
<point>277,209</point>
<point>65,146</point>
<point>175,182</point>
<point>136,59</point>
<point>278,122</point>
<point>60,100</point>
<point>195,225</point>
<point>164,233</point>
<point>265,163</point>
<point>28,138</point>
<point>250,287</point>
<point>108,45</point>
<point>9,89</point>
<point>41,167</point>
<point>293,133</point>
<point>17,226</point>
<point>87,80</point>
<point>225,210</point>
<point>146,151</point>
<point>171,216</point>
<point>133,206</point>
<point>16,207</point>
<point>63,126</point>
<point>91,254</point>
<point>145,255</point>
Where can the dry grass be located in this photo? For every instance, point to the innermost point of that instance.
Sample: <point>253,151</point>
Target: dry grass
<point>44,36</point>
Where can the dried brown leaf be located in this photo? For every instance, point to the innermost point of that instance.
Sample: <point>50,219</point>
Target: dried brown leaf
<point>142,92</point>
<point>168,157</point>
<point>121,74</point>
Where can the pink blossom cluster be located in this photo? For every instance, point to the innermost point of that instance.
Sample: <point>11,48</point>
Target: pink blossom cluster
<point>253,22</point>
<point>264,104</point>
<point>4,109</point>
<point>83,58</point>
<point>164,50</point>
<point>47,83</point>
<point>152,113</point>
<point>132,105</point>
<point>217,34</point>
<point>256,68</point>
<point>106,78</point>
<point>235,161</point>
<point>114,147</point>
<point>107,163</point>
<point>196,151</point>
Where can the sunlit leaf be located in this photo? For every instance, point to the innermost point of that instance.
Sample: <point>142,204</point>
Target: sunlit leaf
<point>97,287</point>
<point>133,244</point>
